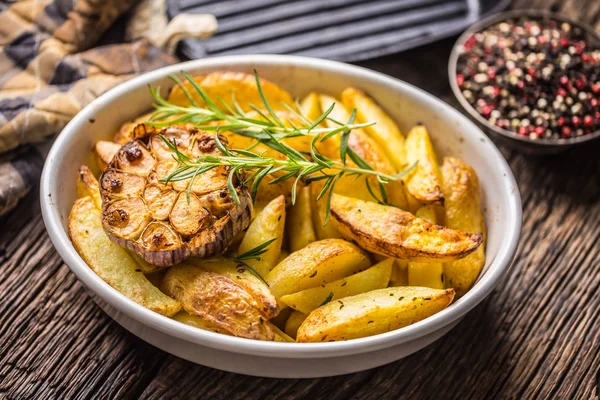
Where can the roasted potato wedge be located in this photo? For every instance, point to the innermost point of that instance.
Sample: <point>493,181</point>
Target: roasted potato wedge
<point>281,336</point>
<point>87,185</point>
<point>372,313</point>
<point>111,262</point>
<point>422,273</point>
<point>399,273</point>
<point>385,132</point>
<point>293,323</point>
<point>375,277</point>
<point>463,211</point>
<point>104,152</point>
<point>395,233</point>
<point>311,106</point>
<point>223,86</point>
<point>197,322</point>
<point>316,264</point>
<point>300,230</point>
<point>319,211</point>
<point>217,299</point>
<point>368,149</point>
<point>243,277</point>
<point>424,182</point>
<point>268,224</point>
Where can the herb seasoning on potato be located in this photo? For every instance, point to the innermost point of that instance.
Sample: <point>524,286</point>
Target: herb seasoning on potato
<point>274,219</point>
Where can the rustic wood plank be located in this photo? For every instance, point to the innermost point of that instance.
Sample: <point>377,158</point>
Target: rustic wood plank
<point>536,336</point>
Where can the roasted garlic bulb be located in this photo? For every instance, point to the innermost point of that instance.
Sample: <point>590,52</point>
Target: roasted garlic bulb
<point>157,219</point>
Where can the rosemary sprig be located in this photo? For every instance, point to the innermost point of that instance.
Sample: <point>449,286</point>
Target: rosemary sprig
<point>234,119</point>
<point>254,254</point>
<point>327,299</point>
<point>270,131</point>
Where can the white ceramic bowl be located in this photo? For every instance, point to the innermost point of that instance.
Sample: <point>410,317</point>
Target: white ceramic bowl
<point>452,133</point>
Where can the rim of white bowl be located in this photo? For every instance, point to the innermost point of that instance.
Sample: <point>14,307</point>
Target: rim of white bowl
<point>473,297</point>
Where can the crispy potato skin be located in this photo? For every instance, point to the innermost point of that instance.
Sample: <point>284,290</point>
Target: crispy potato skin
<point>300,230</point>
<point>424,183</point>
<point>268,224</point>
<point>375,277</point>
<point>385,132</point>
<point>243,277</point>
<point>463,211</point>
<point>222,84</point>
<point>316,264</point>
<point>217,299</point>
<point>372,313</point>
<point>111,262</point>
<point>395,233</point>
<point>422,273</point>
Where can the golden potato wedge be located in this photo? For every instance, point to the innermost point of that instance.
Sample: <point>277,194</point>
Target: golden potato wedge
<point>423,273</point>
<point>331,147</point>
<point>372,313</point>
<point>399,273</point>
<point>316,264</point>
<point>243,277</point>
<point>372,153</point>
<point>319,210</point>
<point>281,336</point>
<point>395,233</point>
<point>300,230</point>
<point>87,185</point>
<point>463,211</point>
<point>281,318</point>
<point>197,322</point>
<point>368,149</point>
<point>311,107</point>
<point>143,265</point>
<point>385,131</point>
<point>268,224</point>
<point>293,323</point>
<point>217,299</point>
<point>375,277</point>
<point>104,152</point>
<point>226,84</point>
<point>424,182</point>
<point>111,262</point>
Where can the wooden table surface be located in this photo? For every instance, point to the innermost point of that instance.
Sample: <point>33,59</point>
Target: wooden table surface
<point>536,336</point>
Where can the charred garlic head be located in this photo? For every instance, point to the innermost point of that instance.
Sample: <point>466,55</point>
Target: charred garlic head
<point>159,220</point>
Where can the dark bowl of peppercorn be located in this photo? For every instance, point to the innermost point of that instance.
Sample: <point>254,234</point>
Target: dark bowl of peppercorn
<point>531,79</point>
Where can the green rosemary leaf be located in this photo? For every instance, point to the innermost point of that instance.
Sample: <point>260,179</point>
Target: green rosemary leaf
<point>345,137</point>
<point>184,90</point>
<point>283,177</point>
<point>327,299</point>
<point>321,118</point>
<point>256,252</point>
<point>253,270</point>
<point>331,133</point>
<point>254,190</point>
<point>231,187</point>
<point>209,103</point>
<point>302,114</point>
<point>406,171</point>
<point>220,145</point>
<point>326,187</point>
<point>236,105</point>
<point>294,112</point>
<point>267,121</point>
<point>264,100</point>
<point>358,160</point>
<point>228,108</point>
<point>329,196</point>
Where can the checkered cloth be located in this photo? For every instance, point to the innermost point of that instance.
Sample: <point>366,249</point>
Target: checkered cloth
<point>49,71</point>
